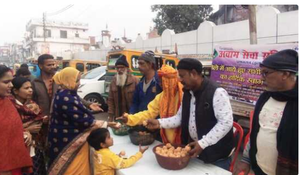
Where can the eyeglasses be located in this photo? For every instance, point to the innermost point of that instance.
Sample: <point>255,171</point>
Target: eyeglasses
<point>265,73</point>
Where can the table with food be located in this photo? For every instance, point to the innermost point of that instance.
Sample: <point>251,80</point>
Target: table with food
<point>159,158</point>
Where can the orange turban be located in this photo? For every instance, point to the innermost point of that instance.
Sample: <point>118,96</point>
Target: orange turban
<point>172,89</point>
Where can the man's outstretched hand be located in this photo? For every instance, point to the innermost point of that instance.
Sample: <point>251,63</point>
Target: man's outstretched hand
<point>123,118</point>
<point>152,124</point>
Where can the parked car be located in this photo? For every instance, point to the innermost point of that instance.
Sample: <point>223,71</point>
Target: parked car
<point>92,85</point>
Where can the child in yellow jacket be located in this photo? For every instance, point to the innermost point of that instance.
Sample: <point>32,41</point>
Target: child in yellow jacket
<point>105,161</point>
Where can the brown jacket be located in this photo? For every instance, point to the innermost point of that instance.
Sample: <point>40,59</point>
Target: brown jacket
<point>41,96</point>
<point>127,91</point>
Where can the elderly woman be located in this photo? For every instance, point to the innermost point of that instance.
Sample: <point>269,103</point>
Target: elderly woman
<point>14,156</point>
<point>70,124</point>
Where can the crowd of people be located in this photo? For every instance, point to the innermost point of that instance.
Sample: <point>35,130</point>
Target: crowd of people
<point>46,128</point>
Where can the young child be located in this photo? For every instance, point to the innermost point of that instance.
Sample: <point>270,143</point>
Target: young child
<point>105,161</point>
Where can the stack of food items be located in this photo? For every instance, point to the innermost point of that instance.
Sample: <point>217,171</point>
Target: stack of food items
<point>122,128</point>
<point>170,151</point>
<point>172,157</point>
<point>143,133</point>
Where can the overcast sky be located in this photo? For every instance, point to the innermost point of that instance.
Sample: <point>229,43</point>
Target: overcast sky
<point>134,16</point>
<point>119,16</point>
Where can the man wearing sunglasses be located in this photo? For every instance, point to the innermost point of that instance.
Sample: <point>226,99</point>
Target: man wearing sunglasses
<point>273,145</point>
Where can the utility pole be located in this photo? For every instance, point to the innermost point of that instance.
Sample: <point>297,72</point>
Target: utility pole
<point>44,26</point>
<point>252,24</point>
<point>225,14</point>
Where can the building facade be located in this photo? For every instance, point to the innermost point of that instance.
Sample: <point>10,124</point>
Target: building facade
<point>234,13</point>
<point>5,54</point>
<point>17,52</point>
<point>58,38</point>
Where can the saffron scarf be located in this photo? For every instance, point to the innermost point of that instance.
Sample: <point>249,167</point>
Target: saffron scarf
<point>172,89</point>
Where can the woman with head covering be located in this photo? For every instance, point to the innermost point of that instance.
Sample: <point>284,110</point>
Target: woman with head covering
<point>165,104</point>
<point>14,155</point>
<point>70,124</point>
<point>32,119</point>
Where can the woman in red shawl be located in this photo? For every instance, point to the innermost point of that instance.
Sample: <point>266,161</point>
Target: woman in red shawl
<point>32,119</point>
<point>14,156</point>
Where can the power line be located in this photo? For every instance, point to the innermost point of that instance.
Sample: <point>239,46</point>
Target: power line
<point>61,10</point>
<point>82,12</point>
<point>55,13</point>
<point>52,14</point>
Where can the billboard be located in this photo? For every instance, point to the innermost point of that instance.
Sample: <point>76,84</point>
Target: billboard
<point>236,69</point>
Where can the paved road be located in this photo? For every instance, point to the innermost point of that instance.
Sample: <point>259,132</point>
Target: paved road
<point>101,116</point>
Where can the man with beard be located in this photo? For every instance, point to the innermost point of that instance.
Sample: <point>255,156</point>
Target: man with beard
<point>149,85</point>
<point>121,90</point>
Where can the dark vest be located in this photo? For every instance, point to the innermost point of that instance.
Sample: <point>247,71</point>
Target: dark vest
<point>205,121</point>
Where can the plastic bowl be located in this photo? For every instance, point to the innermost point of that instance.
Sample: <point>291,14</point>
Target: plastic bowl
<point>143,140</point>
<point>122,131</point>
<point>171,163</point>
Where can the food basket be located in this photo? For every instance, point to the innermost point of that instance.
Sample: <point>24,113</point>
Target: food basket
<point>141,135</point>
<point>123,130</point>
<point>171,163</point>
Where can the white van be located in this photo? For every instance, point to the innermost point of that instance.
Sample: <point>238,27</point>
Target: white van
<point>92,85</point>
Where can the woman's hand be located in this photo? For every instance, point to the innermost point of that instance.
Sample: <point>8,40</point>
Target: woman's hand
<point>97,124</point>
<point>33,107</point>
<point>95,107</point>
<point>45,119</point>
<point>114,125</point>
<point>34,128</point>
<point>27,124</point>
<point>28,138</point>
